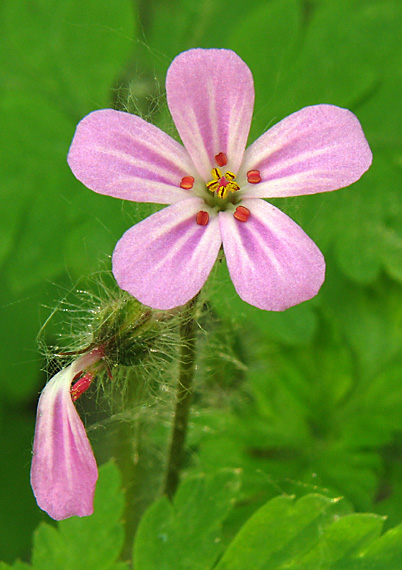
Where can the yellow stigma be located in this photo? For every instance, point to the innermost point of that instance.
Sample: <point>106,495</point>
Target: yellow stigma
<point>222,184</point>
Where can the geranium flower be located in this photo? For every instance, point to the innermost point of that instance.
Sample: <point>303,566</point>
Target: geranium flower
<point>215,187</point>
<point>64,470</point>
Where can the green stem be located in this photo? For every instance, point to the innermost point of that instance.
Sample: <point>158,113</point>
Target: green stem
<point>183,399</point>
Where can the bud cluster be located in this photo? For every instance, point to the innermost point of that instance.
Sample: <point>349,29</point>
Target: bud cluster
<point>127,331</point>
<point>118,334</point>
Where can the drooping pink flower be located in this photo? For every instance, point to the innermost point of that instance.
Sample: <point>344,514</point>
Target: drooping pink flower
<point>215,187</point>
<point>64,470</point>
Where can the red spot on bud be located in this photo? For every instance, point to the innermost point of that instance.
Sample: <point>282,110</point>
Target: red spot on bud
<point>254,176</point>
<point>242,214</point>
<point>81,386</point>
<point>221,159</point>
<point>202,218</point>
<point>187,182</point>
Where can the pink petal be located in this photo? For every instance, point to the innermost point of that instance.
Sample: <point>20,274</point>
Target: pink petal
<point>64,471</point>
<point>272,262</point>
<point>210,93</point>
<point>317,149</point>
<point>121,155</point>
<point>164,260</point>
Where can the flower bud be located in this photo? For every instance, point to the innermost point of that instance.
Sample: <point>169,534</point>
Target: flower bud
<point>127,330</point>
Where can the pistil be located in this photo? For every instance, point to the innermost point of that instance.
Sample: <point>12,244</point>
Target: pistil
<point>222,184</point>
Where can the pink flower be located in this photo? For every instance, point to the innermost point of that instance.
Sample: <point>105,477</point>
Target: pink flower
<point>215,187</point>
<point>64,471</point>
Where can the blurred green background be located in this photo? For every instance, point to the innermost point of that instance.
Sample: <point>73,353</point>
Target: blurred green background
<point>321,384</point>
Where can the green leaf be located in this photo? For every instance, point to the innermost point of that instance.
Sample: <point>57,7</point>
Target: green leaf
<point>353,543</point>
<point>87,543</point>
<point>302,411</point>
<point>370,320</point>
<point>389,498</point>
<point>295,326</point>
<point>372,236</point>
<point>73,49</point>
<point>310,535</point>
<point>267,38</point>
<point>18,565</point>
<point>386,552</point>
<point>61,64</point>
<point>361,45</point>
<point>277,533</point>
<point>19,355</point>
<point>187,535</point>
<point>341,543</point>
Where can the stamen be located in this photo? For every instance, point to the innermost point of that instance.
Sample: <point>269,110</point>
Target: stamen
<point>187,182</point>
<point>213,185</point>
<point>223,191</point>
<point>221,159</point>
<point>233,186</point>
<point>254,176</point>
<point>202,218</point>
<point>242,213</point>
<point>81,386</point>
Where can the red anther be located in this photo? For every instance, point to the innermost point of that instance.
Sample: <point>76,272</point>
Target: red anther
<point>254,176</point>
<point>221,159</point>
<point>242,213</point>
<point>187,182</point>
<point>81,386</point>
<point>202,218</point>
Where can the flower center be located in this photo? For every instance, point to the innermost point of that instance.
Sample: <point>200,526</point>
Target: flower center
<point>221,187</point>
<point>222,184</point>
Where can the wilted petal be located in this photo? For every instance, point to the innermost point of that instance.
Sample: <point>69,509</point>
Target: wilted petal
<point>165,260</point>
<point>63,471</point>
<point>210,94</point>
<point>272,262</point>
<point>317,149</point>
<point>121,155</point>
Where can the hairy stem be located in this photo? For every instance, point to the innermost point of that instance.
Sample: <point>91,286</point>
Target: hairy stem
<point>183,399</point>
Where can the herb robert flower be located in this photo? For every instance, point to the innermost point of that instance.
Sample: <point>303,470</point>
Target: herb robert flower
<point>64,470</point>
<point>215,188</point>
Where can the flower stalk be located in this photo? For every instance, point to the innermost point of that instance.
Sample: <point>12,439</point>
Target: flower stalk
<point>184,397</point>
